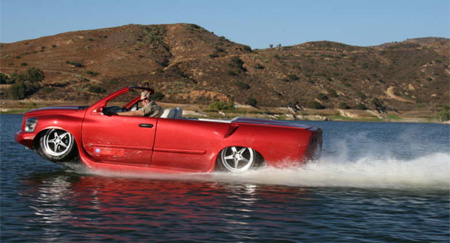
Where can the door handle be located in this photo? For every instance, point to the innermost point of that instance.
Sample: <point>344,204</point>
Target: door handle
<point>146,125</point>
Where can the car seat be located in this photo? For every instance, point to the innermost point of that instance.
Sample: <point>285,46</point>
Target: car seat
<point>175,113</point>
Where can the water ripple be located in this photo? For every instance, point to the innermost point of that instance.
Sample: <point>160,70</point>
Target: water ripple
<point>348,195</point>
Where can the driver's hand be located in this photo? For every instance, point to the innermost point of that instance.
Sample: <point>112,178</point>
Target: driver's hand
<point>109,113</point>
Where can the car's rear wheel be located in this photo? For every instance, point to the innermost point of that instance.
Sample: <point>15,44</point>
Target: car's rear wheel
<point>238,159</point>
<point>57,145</point>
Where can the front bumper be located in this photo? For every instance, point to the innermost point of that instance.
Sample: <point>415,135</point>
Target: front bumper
<point>25,138</point>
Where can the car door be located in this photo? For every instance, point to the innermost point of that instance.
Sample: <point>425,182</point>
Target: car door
<point>119,139</point>
<point>187,144</point>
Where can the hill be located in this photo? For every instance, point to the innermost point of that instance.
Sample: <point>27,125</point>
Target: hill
<point>189,64</point>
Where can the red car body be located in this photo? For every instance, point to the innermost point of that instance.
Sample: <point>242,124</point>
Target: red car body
<point>145,144</point>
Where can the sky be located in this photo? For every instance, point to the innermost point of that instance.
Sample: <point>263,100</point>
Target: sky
<point>257,23</point>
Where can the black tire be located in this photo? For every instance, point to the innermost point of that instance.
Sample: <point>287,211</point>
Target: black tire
<point>57,145</point>
<point>238,159</point>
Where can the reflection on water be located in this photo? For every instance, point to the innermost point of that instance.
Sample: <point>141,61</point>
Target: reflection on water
<point>126,209</point>
<point>107,204</point>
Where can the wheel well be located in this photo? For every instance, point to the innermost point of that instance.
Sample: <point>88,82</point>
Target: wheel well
<point>261,162</point>
<point>38,136</point>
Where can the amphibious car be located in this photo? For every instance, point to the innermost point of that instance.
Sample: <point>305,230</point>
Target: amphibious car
<point>170,143</point>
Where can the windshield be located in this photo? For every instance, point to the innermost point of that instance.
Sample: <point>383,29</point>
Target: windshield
<point>124,99</point>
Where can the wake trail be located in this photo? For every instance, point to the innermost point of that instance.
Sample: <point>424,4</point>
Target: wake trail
<point>430,172</point>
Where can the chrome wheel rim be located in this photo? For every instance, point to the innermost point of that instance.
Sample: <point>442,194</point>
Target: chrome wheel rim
<point>237,159</point>
<point>57,142</point>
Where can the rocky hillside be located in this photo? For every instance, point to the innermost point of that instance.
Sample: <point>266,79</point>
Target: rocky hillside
<point>189,64</point>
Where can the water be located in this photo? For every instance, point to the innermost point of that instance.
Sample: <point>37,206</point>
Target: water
<point>376,182</point>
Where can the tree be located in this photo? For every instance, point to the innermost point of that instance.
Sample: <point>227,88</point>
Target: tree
<point>26,83</point>
<point>17,91</point>
<point>34,75</point>
<point>4,78</point>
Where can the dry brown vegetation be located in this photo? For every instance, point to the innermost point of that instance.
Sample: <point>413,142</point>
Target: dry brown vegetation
<point>189,64</point>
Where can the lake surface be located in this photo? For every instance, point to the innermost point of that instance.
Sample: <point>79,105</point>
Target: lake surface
<point>375,182</point>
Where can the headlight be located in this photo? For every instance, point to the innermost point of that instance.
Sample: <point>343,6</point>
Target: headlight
<point>30,124</point>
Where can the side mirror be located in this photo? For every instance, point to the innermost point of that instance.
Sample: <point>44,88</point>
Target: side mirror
<point>98,110</point>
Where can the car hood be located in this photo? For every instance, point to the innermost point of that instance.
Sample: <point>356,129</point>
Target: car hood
<point>55,110</point>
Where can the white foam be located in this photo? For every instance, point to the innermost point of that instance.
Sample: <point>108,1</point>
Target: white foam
<point>430,172</point>
<point>354,160</point>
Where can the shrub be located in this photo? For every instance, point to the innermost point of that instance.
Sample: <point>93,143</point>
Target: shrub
<point>243,85</point>
<point>76,64</point>
<point>16,77</point>
<point>96,89</point>
<point>360,107</point>
<point>25,84</point>
<point>292,77</point>
<point>444,115</point>
<point>252,101</point>
<point>223,38</point>
<point>344,106</point>
<point>378,105</point>
<point>158,96</point>
<point>17,91</point>
<point>236,62</point>
<point>47,89</point>
<point>192,27</point>
<point>314,105</point>
<point>332,93</point>
<point>92,73</point>
<point>231,73</point>
<point>34,75</point>
<point>31,87</point>
<point>247,48</point>
<point>22,89</point>
<point>222,106</point>
<point>322,96</point>
<point>4,78</point>
<point>361,95</point>
<point>259,66</point>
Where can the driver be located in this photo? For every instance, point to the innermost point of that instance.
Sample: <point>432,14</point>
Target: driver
<point>149,109</point>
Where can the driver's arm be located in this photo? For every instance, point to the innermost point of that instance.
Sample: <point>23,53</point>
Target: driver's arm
<point>131,113</point>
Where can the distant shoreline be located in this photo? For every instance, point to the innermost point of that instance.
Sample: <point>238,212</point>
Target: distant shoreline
<point>274,113</point>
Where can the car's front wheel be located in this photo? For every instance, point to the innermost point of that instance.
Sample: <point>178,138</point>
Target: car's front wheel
<point>238,159</point>
<point>57,145</point>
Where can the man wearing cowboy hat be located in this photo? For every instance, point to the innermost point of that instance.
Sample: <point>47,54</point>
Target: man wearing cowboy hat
<point>149,109</point>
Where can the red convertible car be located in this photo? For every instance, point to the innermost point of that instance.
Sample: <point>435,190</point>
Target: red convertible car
<point>170,143</point>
